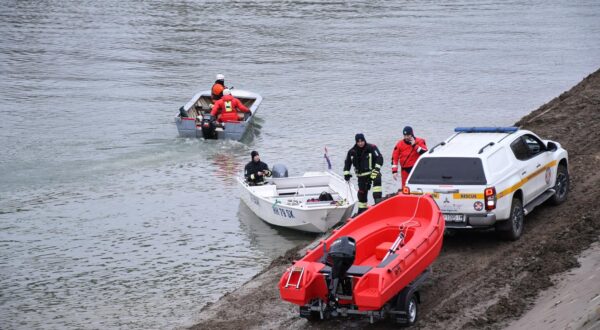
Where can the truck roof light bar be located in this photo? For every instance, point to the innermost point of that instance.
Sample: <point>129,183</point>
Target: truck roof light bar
<point>509,129</point>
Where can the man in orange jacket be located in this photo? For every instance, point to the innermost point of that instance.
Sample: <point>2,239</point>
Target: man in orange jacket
<point>406,152</point>
<point>216,92</point>
<point>228,107</point>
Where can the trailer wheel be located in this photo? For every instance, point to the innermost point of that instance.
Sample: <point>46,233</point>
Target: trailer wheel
<point>313,317</point>
<point>309,315</point>
<point>409,309</point>
<point>412,310</point>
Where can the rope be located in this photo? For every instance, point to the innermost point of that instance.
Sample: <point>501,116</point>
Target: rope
<point>404,225</point>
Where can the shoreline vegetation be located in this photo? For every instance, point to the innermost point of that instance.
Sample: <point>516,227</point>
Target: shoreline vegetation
<point>479,281</point>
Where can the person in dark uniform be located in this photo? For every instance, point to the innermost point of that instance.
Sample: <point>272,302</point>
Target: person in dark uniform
<point>367,162</point>
<point>256,171</point>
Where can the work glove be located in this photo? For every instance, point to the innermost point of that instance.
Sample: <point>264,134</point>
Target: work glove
<point>347,177</point>
<point>267,173</point>
<point>374,173</point>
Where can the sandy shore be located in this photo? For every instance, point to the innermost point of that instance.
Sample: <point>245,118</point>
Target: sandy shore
<point>480,281</point>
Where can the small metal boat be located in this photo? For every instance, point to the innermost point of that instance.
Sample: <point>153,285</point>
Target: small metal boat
<point>313,202</point>
<point>194,119</point>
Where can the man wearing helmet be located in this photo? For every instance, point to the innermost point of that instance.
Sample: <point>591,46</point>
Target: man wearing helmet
<point>228,107</point>
<point>217,88</point>
<point>406,152</point>
<point>367,161</point>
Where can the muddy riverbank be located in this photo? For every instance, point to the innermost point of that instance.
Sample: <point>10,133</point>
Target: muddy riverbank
<point>479,281</point>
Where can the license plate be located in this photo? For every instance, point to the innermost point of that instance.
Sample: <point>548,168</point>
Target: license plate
<point>454,217</point>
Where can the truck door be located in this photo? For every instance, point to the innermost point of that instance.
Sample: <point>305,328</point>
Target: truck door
<point>526,169</point>
<point>540,159</point>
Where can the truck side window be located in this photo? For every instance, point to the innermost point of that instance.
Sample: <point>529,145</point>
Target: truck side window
<point>520,150</point>
<point>534,145</point>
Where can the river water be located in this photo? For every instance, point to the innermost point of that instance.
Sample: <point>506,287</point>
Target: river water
<point>109,220</point>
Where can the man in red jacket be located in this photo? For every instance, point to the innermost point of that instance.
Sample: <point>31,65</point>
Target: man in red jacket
<point>228,107</point>
<point>406,152</point>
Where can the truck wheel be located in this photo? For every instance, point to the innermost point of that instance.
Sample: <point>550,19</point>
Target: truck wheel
<point>512,228</point>
<point>561,186</point>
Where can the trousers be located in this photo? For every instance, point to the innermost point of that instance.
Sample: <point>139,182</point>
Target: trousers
<point>364,185</point>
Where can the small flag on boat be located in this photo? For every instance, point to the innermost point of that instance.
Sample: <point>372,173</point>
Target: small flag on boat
<point>326,155</point>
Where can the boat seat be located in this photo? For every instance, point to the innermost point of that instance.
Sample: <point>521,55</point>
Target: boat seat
<point>354,270</point>
<point>382,249</point>
<point>387,260</point>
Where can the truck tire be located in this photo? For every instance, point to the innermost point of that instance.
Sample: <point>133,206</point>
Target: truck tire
<point>512,228</point>
<point>561,186</point>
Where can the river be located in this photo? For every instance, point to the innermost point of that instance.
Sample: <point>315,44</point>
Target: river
<point>109,220</point>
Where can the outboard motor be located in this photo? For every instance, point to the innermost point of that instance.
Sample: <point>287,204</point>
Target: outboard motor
<point>183,113</point>
<point>279,171</point>
<point>342,254</point>
<point>209,126</point>
<point>325,196</point>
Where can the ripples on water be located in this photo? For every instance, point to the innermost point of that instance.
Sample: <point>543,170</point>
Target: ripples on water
<point>108,220</point>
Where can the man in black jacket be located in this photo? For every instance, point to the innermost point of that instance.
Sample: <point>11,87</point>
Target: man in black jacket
<point>367,161</point>
<point>255,171</point>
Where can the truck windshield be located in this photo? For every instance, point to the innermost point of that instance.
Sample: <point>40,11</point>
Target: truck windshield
<point>448,170</point>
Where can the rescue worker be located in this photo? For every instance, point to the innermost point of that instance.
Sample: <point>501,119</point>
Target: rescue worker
<point>256,170</point>
<point>406,152</point>
<point>228,107</point>
<point>367,161</point>
<point>217,89</point>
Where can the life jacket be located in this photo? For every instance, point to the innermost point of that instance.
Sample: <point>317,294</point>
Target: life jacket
<point>217,91</point>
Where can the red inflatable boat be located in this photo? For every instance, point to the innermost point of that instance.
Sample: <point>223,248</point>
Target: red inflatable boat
<point>372,265</point>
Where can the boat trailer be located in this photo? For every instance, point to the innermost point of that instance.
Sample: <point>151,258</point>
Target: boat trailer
<point>402,308</point>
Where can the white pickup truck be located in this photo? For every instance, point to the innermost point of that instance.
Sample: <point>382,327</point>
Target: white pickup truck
<point>491,176</point>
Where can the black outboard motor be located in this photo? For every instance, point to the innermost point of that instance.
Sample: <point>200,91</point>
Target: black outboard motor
<point>209,126</point>
<point>183,113</point>
<point>279,171</point>
<point>325,196</point>
<point>342,254</point>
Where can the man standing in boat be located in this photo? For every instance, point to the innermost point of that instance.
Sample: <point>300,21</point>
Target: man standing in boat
<point>367,161</point>
<point>406,152</point>
<point>218,87</point>
<point>228,107</point>
<point>256,170</point>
